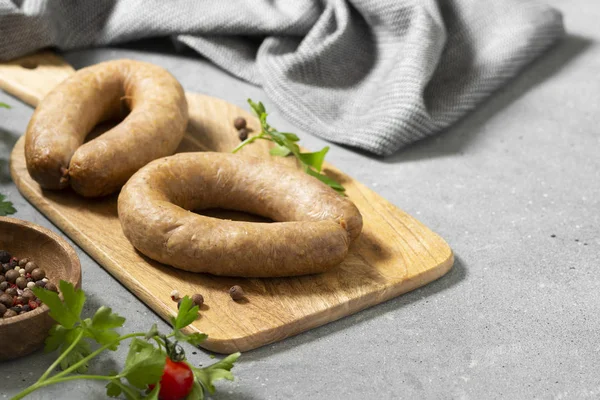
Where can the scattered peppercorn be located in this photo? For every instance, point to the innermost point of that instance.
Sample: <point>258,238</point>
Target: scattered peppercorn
<point>198,299</point>
<point>236,292</point>
<point>5,256</point>
<point>9,314</point>
<point>243,134</point>
<point>239,123</point>
<point>38,274</point>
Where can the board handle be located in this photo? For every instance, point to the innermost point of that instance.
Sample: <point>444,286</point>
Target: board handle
<point>31,77</point>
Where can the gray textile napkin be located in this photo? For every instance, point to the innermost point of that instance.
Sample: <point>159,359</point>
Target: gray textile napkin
<point>374,74</point>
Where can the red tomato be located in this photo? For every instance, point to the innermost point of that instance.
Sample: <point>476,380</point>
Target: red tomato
<point>176,382</point>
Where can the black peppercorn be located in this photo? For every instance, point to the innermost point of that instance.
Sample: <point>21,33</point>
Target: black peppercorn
<point>40,283</point>
<point>16,309</point>
<point>3,286</point>
<point>2,278</point>
<point>11,291</point>
<point>6,299</point>
<point>243,134</point>
<point>236,292</point>
<point>4,256</point>
<point>26,307</point>
<point>239,123</point>
<point>13,263</point>
<point>5,268</point>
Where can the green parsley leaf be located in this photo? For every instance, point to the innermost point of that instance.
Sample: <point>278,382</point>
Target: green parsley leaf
<point>81,350</point>
<point>326,180</point>
<point>106,319</point>
<point>4,105</point>
<point>315,159</point>
<point>194,338</point>
<point>280,151</point>
<point>186,314</point>
<point>219,370</point>
<point>74,299</point>
<point>101,326</point>
<point>291,136</point>
<point>55,338</point>
<point>58,309</point>
<point>144,364</point>
<point>6,207</point>
<point>113,389</point>
<point>197,393</point>
<point>153,395</point>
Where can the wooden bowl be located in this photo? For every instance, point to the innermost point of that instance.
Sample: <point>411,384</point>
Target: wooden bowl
<point>25,333</point>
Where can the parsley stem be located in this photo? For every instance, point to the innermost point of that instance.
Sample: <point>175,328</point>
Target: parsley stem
<point>95,353</point>
<point>54,380</point>
<point>248,141</point>
<point>61,357</point>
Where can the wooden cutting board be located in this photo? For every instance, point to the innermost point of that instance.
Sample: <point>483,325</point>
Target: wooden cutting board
<point>395,253</point>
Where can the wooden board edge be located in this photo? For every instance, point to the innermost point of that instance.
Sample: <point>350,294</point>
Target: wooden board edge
<point>251,342</point>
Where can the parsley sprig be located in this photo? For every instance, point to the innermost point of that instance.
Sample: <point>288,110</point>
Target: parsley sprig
<point>74,337</point>
<point>311,163</point>
<point>6,207</point>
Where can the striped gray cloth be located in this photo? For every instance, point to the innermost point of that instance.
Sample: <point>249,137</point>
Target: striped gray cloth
<point>373,74</point>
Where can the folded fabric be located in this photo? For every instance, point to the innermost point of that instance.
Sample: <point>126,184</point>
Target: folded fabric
<point>373,74</point>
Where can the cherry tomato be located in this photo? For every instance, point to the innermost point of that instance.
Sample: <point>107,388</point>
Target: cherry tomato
<point>176,382</point>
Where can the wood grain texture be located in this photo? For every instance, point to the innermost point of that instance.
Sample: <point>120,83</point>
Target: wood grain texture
<point>395,253</point>
<point>26,333</point>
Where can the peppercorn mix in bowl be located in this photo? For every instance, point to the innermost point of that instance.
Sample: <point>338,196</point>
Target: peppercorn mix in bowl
<point>30,255</point>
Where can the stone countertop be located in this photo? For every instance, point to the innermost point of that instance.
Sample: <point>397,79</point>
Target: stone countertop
<point>514,188</point>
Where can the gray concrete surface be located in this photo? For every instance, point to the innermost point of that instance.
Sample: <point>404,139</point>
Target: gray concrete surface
<point>516,318</point>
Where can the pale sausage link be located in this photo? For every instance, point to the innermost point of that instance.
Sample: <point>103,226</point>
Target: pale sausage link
<point>54,149</point>
<point>314,230</point>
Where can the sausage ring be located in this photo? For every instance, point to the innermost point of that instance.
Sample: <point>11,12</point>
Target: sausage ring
<point>54,149</point>
<point>313,230</point>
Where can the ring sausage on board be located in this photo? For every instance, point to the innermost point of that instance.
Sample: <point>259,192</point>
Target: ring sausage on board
<point>313,230</point>
<point>55,152</point>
